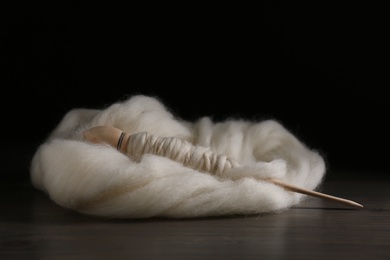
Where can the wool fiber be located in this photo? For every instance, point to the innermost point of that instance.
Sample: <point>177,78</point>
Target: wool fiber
<point>98,180</point>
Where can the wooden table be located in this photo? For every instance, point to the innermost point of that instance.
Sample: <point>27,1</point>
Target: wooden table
<point>33,227</point>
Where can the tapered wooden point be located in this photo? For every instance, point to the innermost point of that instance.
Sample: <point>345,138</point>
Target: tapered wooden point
<point>316,194</point>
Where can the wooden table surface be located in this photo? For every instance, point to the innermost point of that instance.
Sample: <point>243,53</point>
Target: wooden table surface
<point>33,227</point>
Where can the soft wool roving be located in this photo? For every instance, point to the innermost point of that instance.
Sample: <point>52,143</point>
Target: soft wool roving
<point>98,180</point>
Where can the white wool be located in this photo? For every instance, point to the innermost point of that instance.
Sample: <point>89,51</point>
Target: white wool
<point>98,180</point>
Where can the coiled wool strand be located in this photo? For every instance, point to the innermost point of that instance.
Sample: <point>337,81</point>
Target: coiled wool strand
<point>98,180</point>
<point>196,157</point>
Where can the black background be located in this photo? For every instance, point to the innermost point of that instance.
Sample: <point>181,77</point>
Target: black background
<point>319,68</point>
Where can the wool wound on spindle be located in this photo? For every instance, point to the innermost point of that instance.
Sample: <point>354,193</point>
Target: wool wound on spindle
<point>98,180</point>
<point>196,157</point>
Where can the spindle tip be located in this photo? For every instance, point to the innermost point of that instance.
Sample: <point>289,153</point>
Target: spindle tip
<point>102,134</point>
